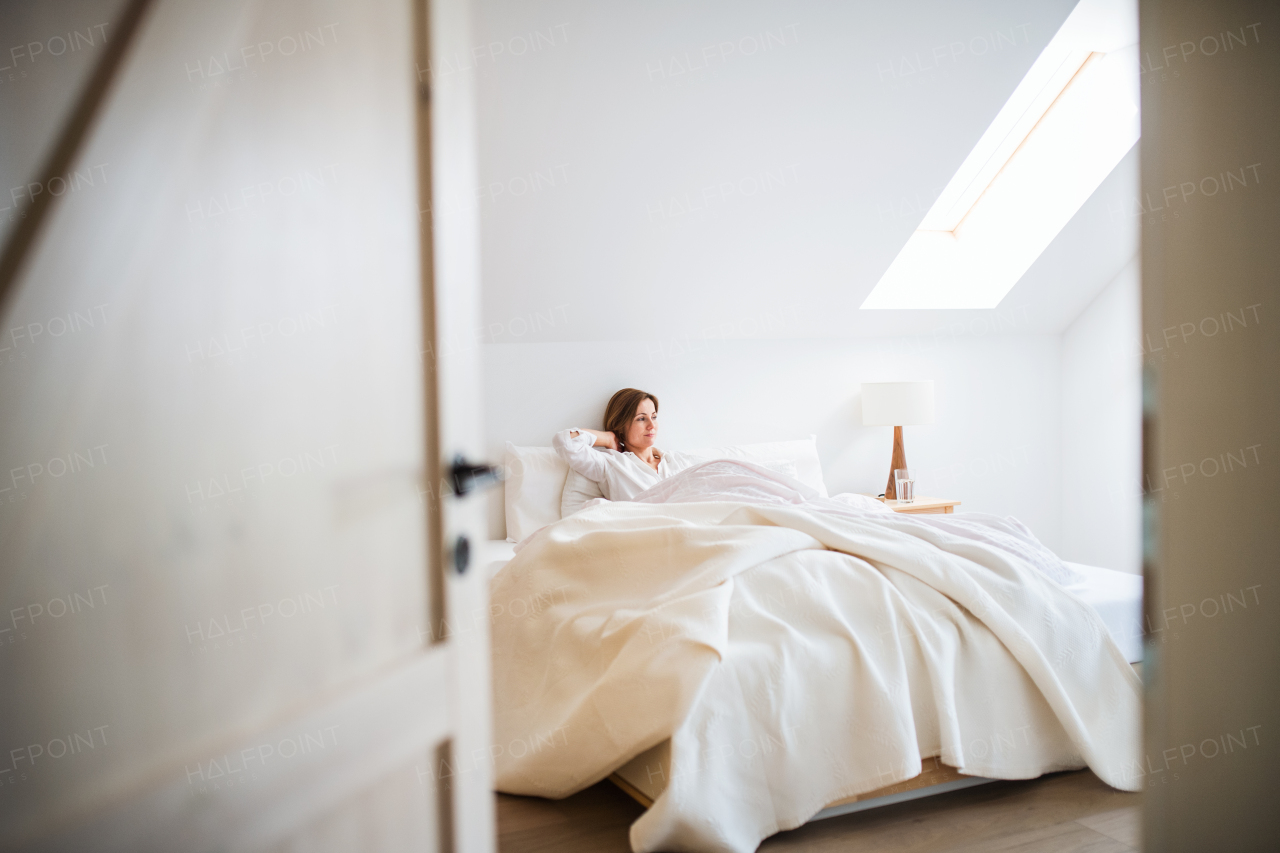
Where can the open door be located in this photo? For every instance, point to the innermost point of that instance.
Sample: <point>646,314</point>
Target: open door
<point>237,607</point>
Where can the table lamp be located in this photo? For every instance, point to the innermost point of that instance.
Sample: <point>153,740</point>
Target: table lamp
<point>897,404</point>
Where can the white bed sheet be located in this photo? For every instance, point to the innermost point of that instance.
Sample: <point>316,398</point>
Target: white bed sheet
<point>496,554</point>
<point>1117,596</point>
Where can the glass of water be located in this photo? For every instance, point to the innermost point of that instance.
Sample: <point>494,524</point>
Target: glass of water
<point>905,485</point>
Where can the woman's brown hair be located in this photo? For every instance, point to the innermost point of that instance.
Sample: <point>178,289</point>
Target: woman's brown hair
<point>622,408</point>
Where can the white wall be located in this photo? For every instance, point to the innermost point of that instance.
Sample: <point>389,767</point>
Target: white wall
<point>1102,430</point>
<point>709,234</point>
<point>995,445</point>
<point>635,157</point>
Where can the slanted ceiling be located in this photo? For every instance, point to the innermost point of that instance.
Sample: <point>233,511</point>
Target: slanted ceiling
<point>748,169</point>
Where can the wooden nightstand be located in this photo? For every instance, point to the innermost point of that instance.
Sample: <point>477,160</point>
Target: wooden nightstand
<point>923,505</point>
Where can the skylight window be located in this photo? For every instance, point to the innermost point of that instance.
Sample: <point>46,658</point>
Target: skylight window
<point>1067,125</point>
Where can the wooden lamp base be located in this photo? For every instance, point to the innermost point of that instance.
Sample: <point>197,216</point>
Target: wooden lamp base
<point>899,461</point>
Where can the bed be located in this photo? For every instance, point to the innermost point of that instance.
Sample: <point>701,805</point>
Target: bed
<point>1073,642</point>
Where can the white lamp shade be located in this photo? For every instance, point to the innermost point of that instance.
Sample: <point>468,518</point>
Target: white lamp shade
<point>897,403</point>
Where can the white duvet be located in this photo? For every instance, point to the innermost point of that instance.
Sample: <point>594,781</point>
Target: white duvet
<point>796,650</point>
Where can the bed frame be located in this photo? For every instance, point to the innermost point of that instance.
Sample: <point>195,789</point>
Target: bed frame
<point>934,778</point>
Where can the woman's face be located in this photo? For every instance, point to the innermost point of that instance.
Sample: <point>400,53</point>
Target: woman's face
<point>643,430</point>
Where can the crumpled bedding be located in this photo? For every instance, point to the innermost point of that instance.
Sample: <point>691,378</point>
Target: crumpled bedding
<point>795,650</point>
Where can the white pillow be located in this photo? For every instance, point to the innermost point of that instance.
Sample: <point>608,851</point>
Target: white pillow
<point>577,491</point>
<point>802,453</point>
<point>533,489</point>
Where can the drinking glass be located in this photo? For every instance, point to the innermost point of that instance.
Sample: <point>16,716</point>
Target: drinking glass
<point>905,485</point>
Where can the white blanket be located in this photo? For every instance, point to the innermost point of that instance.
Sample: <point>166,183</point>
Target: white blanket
<point>796,650</point>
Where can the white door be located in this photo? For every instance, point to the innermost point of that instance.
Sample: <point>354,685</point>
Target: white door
<point>229,613</point>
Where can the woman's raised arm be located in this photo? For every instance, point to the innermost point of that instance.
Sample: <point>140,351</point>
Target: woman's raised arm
<point>574,446</point>
<point>603,438</point>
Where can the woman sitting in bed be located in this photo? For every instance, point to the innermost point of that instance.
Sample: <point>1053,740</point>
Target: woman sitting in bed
<point>629,463</point>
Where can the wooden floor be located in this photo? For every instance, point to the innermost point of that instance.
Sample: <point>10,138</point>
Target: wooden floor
<point>1061,813</point>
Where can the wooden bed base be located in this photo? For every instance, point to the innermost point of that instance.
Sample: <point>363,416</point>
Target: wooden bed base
<point>935,778</point>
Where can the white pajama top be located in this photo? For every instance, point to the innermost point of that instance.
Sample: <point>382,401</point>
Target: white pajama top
<point>620,475</point>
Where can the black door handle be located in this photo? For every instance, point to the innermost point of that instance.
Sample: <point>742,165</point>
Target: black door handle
<point>465,477</point>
